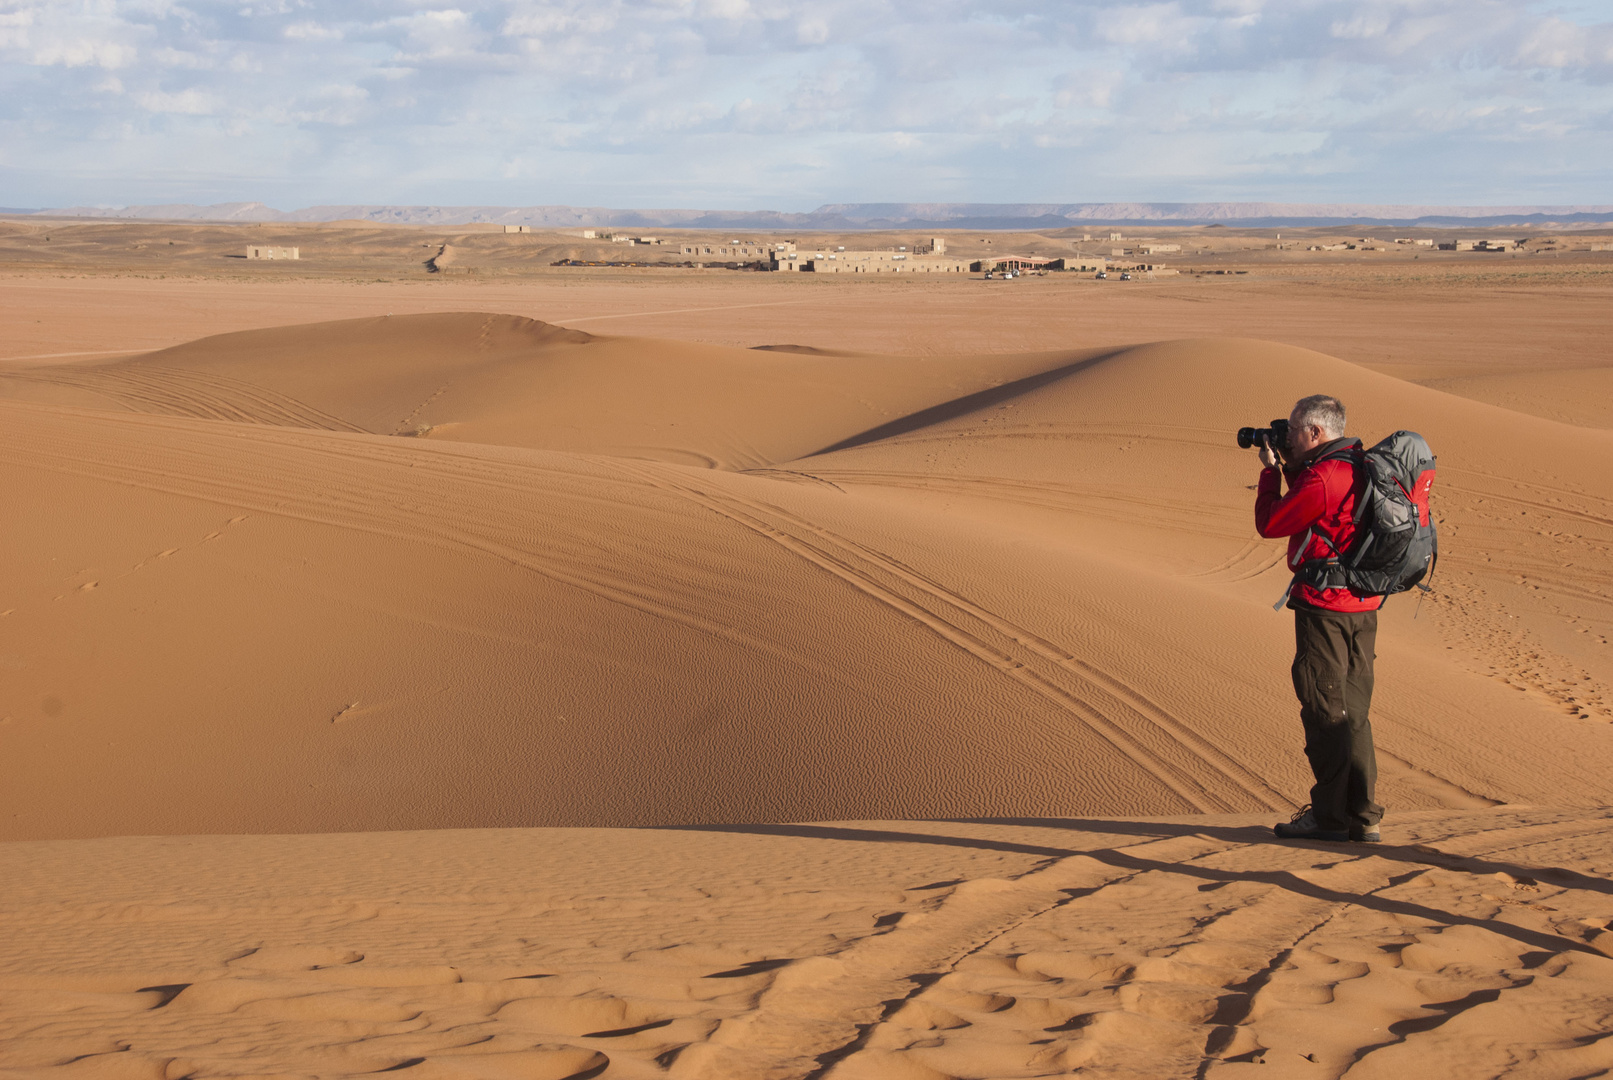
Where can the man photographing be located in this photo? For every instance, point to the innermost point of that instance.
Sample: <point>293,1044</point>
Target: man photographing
<point>1334,629</point>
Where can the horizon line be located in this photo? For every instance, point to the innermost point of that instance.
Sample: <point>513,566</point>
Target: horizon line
<point>858,216</point>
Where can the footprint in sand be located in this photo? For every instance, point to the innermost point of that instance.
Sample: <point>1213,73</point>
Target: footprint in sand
<point>541,1063</point>
<point>923,1016</point>
<point>591,1017</point>
<point>216,533</point>
<point>294,958</point>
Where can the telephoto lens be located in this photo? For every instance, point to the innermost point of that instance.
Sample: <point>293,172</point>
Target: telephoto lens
<point>1277,435</point>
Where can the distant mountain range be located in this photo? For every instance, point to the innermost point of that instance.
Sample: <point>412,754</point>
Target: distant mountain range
<point>857,216</point>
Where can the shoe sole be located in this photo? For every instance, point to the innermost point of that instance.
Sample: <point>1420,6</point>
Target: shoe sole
<point>1323,835</point>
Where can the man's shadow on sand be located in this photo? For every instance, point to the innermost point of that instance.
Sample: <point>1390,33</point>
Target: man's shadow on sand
<point>1416,859</point>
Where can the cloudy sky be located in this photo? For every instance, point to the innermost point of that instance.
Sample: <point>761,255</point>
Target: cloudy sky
<point>778,104</point>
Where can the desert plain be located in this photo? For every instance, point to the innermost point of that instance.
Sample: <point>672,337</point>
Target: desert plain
<point>545,672</point>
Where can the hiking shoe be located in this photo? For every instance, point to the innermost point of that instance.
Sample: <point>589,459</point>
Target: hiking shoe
<point>1365,834</point>
<point>1304,827</point>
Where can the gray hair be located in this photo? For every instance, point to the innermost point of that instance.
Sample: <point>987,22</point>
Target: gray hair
<point>1325,412</point>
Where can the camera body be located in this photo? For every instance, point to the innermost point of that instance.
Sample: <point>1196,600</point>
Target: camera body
<point>1277,435</point>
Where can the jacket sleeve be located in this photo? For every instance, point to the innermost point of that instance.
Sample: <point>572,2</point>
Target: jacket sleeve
<point>1290,514</point>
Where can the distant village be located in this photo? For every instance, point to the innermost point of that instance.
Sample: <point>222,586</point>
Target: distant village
<point>930,256</point>
<point>925,257</point>
<point>1366,243</point>
<point>1102,254</point>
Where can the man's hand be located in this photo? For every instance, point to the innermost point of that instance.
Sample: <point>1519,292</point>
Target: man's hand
<point>1268,456</point>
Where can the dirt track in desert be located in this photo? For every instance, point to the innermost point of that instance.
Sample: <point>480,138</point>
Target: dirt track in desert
<point>318,558</point>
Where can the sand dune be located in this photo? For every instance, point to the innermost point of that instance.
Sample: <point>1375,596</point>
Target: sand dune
<point>509,381</point>
<point>1580,396</point>
<point>459,572</point>
<point>1189,947</point>
<point>625,581</point>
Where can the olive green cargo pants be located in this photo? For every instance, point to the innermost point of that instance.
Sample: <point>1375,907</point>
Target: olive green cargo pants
<point>1333,654</point>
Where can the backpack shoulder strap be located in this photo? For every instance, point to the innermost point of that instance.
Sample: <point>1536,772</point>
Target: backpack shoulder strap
<point>1352,454</point>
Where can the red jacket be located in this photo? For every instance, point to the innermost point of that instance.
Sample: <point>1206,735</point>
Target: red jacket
<point>1320,503</point>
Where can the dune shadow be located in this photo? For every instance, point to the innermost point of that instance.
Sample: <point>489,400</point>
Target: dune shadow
<point>948,410</point>
<point>802,350</point>
<point>1214,877</point>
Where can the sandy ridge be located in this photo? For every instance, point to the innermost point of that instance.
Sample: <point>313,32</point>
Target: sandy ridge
<point>1186,947</point>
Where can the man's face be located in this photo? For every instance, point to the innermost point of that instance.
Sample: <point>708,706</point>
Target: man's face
<point>1303,438</point>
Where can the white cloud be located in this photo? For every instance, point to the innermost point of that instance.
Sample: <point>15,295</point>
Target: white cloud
<point>1087,89</point>
<point>1361,25</point>
<point>439,33</point>
<point>1158,25</point>
<point>812,31</point>
<point>555,20</point>
<point>185,102</point>
<point>701,98</point>
<point>179,58</point>
<point>14,28</point>
<point>83,52</point>
<point>1558,44</point>
<point>309,30</point>
<point>725,9</point>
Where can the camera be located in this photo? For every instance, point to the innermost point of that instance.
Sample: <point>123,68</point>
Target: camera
<point>1277,435</point>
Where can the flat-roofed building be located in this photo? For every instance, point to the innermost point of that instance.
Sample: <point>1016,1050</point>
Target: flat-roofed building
<point>1035,262</point>
<point>517,228</point>
<point>256,252</point>
<point>875,262</point>
<point>732,251</point>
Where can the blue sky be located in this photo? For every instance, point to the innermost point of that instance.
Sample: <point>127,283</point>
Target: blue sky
<point>774,104</point>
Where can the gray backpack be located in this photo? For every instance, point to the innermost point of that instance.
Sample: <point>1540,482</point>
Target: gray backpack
<point>1395,544</point>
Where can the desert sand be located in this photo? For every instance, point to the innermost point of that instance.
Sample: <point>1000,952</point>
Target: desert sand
<point>510,625</point>
<point>1475,945</point>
